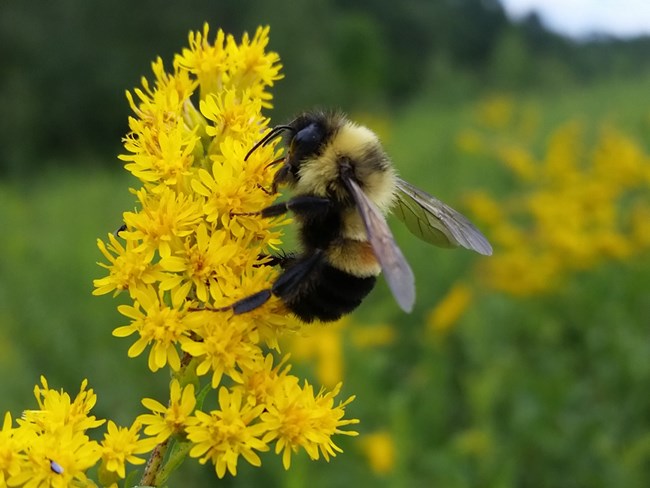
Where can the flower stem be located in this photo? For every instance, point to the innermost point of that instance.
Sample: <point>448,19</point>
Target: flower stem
<point>154,464</point>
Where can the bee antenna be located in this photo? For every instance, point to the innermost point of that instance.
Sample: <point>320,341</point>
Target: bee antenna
<point>272,134</point>
<point>274,162</point>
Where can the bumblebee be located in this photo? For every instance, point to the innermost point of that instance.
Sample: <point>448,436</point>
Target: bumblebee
<point>343,184</point>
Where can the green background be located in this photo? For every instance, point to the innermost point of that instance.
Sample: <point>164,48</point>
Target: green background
<point>554,387</point>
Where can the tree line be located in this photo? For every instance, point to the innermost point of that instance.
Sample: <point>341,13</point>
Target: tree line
<point>66,64</point>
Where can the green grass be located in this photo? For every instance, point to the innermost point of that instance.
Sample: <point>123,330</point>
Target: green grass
<point>550,391</point>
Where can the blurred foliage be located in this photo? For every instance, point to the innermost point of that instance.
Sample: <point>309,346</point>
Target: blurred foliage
<point>66,64</point>
<point>480,386</point>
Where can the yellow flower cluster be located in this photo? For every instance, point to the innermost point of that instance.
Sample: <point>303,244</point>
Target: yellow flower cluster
<point>49,447</point>
<point>187,250</point>
<point>575,207</point>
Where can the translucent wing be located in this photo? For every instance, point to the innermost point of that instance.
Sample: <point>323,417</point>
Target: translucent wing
<point>396,270</point>
<point>435,222</point>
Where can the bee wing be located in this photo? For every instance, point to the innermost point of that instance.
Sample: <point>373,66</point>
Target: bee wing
<point>435,222</point>
<point>397,271</point>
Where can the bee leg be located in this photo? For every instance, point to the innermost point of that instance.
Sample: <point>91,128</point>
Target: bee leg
<point>120,229</point>
<point>268,192</point>
<point>251,302</point>
<point>282,260</point>
<point>289,281</point>
<point>303,204</point>
<point>284,287</point>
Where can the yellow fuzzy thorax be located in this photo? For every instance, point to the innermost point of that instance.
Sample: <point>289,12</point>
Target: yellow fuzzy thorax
<point>320,176</point>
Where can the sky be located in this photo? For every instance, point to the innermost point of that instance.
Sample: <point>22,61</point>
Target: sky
<point>580,18</point>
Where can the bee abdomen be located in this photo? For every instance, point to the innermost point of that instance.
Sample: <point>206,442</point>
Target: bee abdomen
<point>355,257</point>
<point>329,295</point>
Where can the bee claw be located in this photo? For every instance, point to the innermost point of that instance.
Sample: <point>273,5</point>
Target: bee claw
<point>268,192</point>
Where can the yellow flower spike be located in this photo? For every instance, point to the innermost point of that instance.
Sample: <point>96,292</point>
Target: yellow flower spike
<point>260,382</point>
<point>164,221</point>
<point>121,445</point>
<point>50,445</point>
<point>297,418</point>
<point>206,60</point>
<point>225,346</point>
<point>12,444</point>
<point>157,324</point>
<point>130,267</point>
<point>223,435</point>
<point>166,421</point>
<point>58,411</point>
<point>187,247</point>
<point>577,209</point>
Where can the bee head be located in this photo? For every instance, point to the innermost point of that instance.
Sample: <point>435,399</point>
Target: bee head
<point>307,135</point>
<point>303,143</point>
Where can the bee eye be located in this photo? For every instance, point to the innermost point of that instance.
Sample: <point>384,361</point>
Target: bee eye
<point>308,140</point>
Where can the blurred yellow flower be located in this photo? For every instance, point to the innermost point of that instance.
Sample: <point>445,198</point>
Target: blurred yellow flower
<point>368,336</point>
<point>449,310</point>
<point>324,344</point>
<point>572,209</point>
<point>379,449</point>
<point>495,112</point>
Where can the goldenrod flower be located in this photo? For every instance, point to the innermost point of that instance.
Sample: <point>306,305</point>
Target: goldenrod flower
<point>188,251</point>
<point>223,435</point>
<point>260,383</point>
<point>58,411</point>
<point>50,447</point>
<point>164,221</point>
<point>183,255</point>
<point>204,260</point>
<point>57,460</point>
<point>298,418</point>
<point>131,266</point>
<point>157,323</point>
<point>121,445</point>
<point>12,444</point>
<point>166,421</point>
<point>225,347</point>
